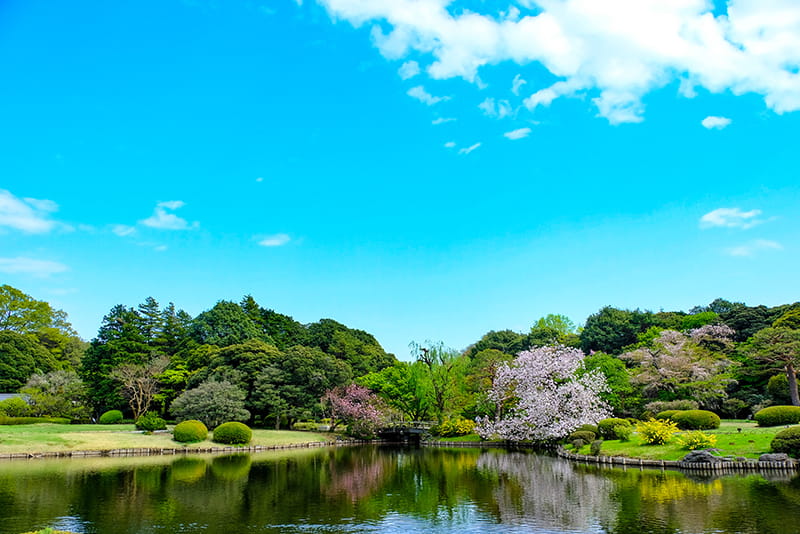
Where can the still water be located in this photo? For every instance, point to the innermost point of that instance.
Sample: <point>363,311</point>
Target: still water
<point>384,490</point>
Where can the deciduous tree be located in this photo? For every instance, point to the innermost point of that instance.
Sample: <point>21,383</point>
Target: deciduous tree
<point>544,394</point>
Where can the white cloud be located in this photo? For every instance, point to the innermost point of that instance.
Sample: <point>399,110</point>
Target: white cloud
<point>612,51</point>
<point>29,215</point>
<point>276,240</point>
<point>450,144</point>
<point>753,247</point>
<point>425,97</point>
<point>408,70</point>
<point>516,84</point>
<point>260,179</point>
<point>164,220</point>
<point>442,120</point>
<point>469,149</point>
<point>499,109</point>
<point>712,122</point>
<point>730,218</point>
<point>519,133</point>
<point>123,230</point>
<point>30,266</point>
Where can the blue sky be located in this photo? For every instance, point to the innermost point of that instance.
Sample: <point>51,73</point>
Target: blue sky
<point>418,169</point>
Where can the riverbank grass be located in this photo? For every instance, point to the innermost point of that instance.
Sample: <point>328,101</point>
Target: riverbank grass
<point>41,438</point>
<point>751,442</point>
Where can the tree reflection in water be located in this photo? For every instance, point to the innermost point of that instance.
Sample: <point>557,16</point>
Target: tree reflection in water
<point>381,489</point>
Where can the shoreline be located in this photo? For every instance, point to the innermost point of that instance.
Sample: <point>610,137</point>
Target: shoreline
<point>175,451</point>
<point>725,465</point>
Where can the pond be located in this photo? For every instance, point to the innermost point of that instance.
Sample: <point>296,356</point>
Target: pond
<point>385,490</point>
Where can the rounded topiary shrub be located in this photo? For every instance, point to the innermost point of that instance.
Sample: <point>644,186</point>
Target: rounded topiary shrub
<point>788,441</point>
<point>583,435</point>
<point>667,414</point>
<point>150,422</point>
<point>111,417</point>
<point>233,433</point>
<point>778,415</point>
<point>696,420</point>
<point>190,431</point>
<point>606,427</point>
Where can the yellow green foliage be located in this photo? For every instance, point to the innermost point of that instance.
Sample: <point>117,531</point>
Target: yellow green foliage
<point>696,440</point>
<point>655,432</point>
<point>454,427</point>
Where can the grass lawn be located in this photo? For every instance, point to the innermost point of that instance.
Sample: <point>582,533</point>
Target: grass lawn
<point>57,438</point>
<point>468,437</point>
<point>751,442</point>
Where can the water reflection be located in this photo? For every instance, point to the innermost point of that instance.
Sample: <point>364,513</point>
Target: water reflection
<point>372,489</point>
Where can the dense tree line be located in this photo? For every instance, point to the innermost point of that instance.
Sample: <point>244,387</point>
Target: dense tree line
<point>724,356</point>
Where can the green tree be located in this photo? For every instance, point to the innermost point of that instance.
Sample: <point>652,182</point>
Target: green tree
<point>119,341</point>
<point>213,403</point>
<point>778,347</point>
<point>356,347</point>
<point>442,364</point>
<point>553,330</point>
<point>57,394</point>
<point>611,330</point>
<point>23,314</point>
<point>621,395</point>
<point>403,386</point>
<point>20,357</point>
<point>225,324</point>
<point>506,341</point>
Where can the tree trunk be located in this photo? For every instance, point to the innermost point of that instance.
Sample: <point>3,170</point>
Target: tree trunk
<point>792,379</point>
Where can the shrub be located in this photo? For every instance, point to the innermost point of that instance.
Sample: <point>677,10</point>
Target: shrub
<point>454,427</point>
<point>590,428</point>
<point>577,444</point>
<point>33,420</point>
<point>150,422</point>
<point>233,433</point>
<point>583,435</point>
<point>666,414</point>
<point>190,431</point>
<point>606,427</point>
<point>778,388</point>
<point>305,426</point>
<point>111,417</point>
<point>778,415</point>
<point>788,441</point>
<point>594,448</point>
<point>15,407</point>
<point>696,420</point>
<point>696,440</point>
<point>662,406</point>
<point>654,432</point>
<point>623,432</point>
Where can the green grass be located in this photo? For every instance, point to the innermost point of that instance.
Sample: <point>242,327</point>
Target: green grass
<point>468,437</point>
<point>60,438</point>
<point>751,442</point>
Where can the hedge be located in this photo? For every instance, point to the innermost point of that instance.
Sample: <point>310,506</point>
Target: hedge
<point>778,415</point>
<point>32,420</point>
<point>150,422</point>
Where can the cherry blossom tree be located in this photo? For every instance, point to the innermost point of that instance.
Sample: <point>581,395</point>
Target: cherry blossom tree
<point>355,406</point>
<point>544,394</point>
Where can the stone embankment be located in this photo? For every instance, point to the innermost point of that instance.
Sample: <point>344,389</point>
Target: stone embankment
<point>174,451</point>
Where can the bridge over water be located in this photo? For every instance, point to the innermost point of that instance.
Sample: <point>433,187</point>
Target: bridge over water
<point>405,431</point>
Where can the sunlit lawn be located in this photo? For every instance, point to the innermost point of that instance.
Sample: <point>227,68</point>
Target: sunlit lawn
<point>751,442</point>
<point>56,438</point>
